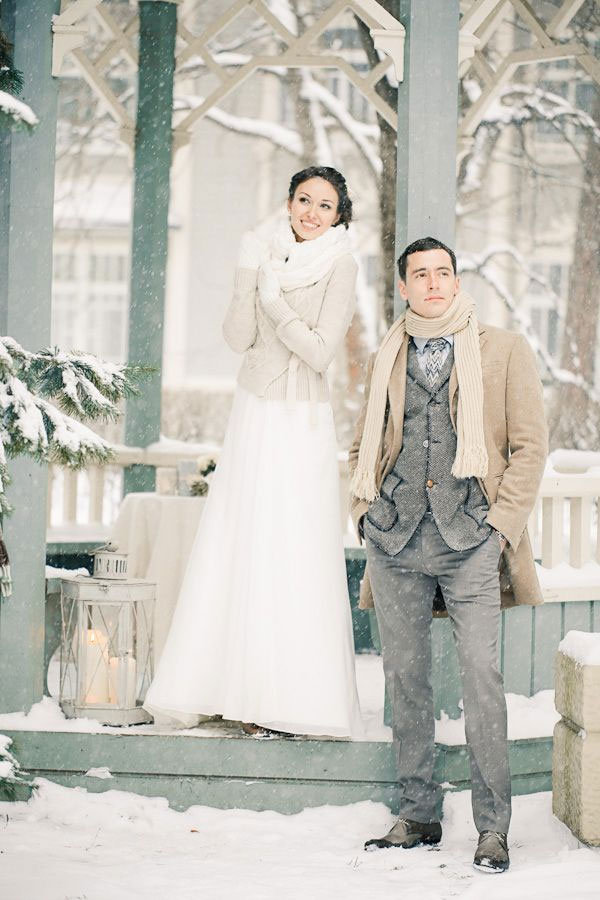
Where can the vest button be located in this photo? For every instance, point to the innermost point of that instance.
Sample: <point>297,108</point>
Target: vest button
<point>426,443</point>
<point>430,483</point>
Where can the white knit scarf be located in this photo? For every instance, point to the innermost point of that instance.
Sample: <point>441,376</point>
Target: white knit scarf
<point>300,263</point>
<point>471,455</point>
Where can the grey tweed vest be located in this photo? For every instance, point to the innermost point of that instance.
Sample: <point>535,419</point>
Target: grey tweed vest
<point>421,480</point>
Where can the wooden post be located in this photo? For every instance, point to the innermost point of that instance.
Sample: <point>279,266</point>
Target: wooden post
<point>427,123</point>
<point>153,139</point>
<point>27,196</point>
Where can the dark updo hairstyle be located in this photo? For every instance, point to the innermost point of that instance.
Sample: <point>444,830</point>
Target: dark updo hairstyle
<point>336,180</point>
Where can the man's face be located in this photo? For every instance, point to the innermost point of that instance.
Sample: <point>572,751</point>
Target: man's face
<point>431,284</point>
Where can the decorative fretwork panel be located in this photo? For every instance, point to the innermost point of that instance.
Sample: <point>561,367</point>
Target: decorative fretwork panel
<point>549,40</point>
<point>284,50</point>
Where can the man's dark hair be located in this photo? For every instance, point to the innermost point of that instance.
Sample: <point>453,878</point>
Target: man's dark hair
<point>426,243</point>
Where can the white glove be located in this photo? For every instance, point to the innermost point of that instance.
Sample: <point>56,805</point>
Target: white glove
<point>271,297</point>
<point>268,285</point>
<point>251,251</point>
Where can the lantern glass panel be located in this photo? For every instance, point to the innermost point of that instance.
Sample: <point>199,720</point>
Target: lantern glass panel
<point>106,649</point>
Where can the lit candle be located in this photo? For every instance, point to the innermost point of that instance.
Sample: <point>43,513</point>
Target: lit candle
<point>96,668</point>
<point>122,681</point>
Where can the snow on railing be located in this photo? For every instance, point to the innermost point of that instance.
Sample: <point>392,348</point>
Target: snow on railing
<point>564,527</point>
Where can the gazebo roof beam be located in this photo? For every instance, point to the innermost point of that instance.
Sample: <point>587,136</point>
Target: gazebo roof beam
<point>483,68</point>
<point>100,86</point>
<point>120,39</point>
<point>563,16</point>
<point>479,13</point>
<point>523,8</point>
<point>489,26</point>
<point>276,24</point>
<point>481,29</point>
<point>476,112</point>
<point>591,66</point>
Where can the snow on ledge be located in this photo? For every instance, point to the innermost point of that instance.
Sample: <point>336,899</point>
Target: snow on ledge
<point>582,647</point>
<point>562,460</point>
<point>566,576</point>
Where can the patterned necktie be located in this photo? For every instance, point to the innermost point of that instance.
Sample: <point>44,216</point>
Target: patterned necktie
<point>434,359</point>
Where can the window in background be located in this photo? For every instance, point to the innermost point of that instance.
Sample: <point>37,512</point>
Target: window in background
<point>547,301</point>
<point>90,301</point>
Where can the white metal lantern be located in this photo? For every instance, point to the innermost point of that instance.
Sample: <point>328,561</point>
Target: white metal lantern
<point>108,563</point>
<point>106,648</point>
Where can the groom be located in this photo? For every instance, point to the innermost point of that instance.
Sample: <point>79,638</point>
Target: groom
<point>447,459</point>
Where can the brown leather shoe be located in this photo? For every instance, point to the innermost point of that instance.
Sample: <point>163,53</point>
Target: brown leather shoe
<point>492,852</point>
<point>407,834</point>
<point>261,731</point>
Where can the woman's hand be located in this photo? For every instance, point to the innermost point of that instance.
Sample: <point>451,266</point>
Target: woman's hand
<point>271,297</point>
<point>251,252</point>
<point>269,288</point>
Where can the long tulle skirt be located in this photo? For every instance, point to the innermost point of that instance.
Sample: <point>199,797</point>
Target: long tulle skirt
<point>262,629</point>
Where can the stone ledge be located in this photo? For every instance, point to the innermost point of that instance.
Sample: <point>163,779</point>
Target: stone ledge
<point>577,695</point>
<point>576,781</point>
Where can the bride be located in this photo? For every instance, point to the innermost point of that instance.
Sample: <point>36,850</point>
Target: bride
<point>262,630</point>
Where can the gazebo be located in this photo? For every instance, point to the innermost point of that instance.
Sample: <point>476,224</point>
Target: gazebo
<point>284,776</point>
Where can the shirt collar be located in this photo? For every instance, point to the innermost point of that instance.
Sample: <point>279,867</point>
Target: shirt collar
<point>421,341</point>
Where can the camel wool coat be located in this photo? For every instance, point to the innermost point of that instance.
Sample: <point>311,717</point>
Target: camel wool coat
<point>516,439</point>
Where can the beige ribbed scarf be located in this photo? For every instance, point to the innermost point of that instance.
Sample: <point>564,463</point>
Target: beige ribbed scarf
<point>471,456</point>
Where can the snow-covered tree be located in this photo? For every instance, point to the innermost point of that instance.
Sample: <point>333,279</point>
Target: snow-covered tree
<point>10,773</point>
<point>43,398</point>
<point>566,183</point>
<point>13,112</point>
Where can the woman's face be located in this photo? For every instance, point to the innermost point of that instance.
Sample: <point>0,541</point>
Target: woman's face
<point>313,209</point>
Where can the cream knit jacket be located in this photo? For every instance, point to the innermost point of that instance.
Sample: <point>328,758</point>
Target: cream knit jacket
<point>300,333</point>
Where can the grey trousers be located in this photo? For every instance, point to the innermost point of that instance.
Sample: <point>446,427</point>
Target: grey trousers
<point>403,589</point>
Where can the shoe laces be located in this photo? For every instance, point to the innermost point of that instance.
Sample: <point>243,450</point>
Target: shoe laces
<point>500,835</point>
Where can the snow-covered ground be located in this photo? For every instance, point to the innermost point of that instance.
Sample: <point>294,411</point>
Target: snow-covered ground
<point>66,844</point>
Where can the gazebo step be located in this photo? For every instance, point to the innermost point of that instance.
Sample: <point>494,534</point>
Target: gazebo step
<point>237,771</point>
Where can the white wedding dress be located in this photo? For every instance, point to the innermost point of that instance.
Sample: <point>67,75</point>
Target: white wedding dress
<point>262,631</point>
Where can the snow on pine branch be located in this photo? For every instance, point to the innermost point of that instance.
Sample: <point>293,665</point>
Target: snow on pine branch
<point>40,393</point>
<point>33,426</point>
<point>15,113</point>
<point>78,382</point>
<point>10,772</point>
<point>82,384</point>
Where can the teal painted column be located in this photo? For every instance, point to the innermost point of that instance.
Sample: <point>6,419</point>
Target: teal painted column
<point>427,122</point>
<point>153,139</point>
<point>26,204</point>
